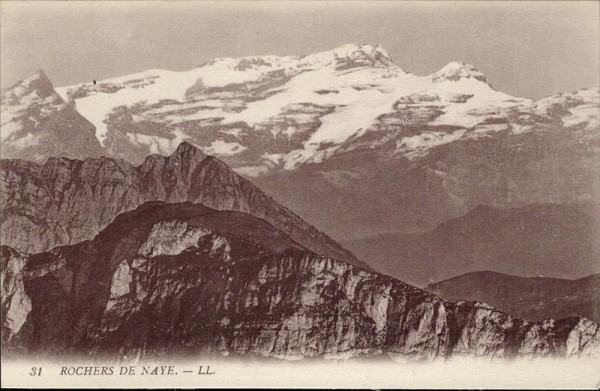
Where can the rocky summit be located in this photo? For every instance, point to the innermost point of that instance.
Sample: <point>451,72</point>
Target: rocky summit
<point>187,279</point>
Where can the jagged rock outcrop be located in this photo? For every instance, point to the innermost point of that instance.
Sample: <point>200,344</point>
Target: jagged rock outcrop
<point>65,201</point>
<point>183,279</point>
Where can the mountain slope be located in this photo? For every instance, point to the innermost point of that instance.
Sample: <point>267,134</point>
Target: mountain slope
<point>550,239</point>
<point>372,190</point>
<point>532,298</point>
<point>183,279</point>
<point>66,201</point>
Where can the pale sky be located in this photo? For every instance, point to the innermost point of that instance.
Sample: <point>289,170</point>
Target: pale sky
<point>530,49</point>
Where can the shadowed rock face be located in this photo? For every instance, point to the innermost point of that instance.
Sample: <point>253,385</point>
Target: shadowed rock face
<point>66,201</point>
<point>170,279</point>
<point>532,298</point>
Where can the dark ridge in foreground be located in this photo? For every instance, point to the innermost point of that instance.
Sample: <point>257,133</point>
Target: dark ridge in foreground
<point>184,279</point>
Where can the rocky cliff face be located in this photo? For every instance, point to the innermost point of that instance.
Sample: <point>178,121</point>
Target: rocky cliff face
<point>181,279</point>
<point>65,201</point>
<point>16,305</point>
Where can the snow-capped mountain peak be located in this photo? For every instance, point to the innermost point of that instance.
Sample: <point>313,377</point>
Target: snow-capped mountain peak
<point>342,57</point>
<point>454,71</point>
<point>24,105</point>
<point>37,123</point>
<point>32,89</point>
<point>350,55</point>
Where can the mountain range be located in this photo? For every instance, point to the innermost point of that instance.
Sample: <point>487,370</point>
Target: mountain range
<point>555,240</point>
<point>183,279</point>
<point>345,138</point>
<point>531,298</point>
<point>219,210</point>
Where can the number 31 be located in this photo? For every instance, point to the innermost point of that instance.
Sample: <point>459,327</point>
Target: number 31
<point>35,371</point>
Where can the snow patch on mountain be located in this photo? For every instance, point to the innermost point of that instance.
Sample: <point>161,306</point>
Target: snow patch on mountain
<point>576,108</point>
<point>160,84</point>
<point>10,121</point>
<point>483,100</point>
<point>418,145</point>
<point>359,109</point>
<point>157,144</point>
<point>95,107</point>
<point>222,148</point>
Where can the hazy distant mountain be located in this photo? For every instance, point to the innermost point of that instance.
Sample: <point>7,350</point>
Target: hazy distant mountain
<point>64,201</point>
<point>531,298</point>
<point>550,239</point>
<point>179,280</point>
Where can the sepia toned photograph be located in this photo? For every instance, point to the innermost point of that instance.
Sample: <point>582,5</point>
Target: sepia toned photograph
<point>300,194</point>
